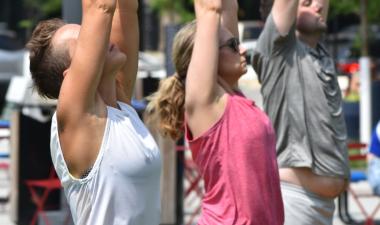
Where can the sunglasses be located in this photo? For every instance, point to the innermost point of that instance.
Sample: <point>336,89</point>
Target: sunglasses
<point>232,43</point>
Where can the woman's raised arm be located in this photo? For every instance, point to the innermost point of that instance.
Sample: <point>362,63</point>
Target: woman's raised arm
<point>125,34</point>
<point>201,82</point>
<point>88,46</point>
<point>230,16</point>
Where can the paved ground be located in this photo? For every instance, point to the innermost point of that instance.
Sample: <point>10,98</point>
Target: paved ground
<point>4,220</point>
<point>369,203</point>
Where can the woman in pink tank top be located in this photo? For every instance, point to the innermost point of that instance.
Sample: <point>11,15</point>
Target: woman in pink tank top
<point>232,141</point>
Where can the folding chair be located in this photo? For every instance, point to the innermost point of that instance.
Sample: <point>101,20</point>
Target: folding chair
<point>194,186</point>
<point>358,159</point>
<point>46,186</point>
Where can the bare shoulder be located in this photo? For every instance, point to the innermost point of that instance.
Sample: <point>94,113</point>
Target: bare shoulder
<point>201,118</point>
<point>81,138</point>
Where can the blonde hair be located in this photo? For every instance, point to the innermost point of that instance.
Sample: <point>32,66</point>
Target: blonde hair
<point>166,107</point>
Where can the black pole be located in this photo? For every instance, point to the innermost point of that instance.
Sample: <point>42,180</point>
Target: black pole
<point>4,11</point>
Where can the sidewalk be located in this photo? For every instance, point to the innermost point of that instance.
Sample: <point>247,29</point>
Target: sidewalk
<point>5,220</point>
<point>368,203</point>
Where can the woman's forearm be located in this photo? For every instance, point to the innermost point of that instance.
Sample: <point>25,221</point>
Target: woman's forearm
<point>230,16</point>
<point>125,34</point>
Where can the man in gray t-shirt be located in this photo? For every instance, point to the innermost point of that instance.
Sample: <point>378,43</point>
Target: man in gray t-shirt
<point>303,99</point>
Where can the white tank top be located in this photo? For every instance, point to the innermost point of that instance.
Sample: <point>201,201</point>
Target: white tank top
<point>123,186</point>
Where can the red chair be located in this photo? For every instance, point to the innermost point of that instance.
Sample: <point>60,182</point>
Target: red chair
<point>193,193</point>
<point>46,186</point>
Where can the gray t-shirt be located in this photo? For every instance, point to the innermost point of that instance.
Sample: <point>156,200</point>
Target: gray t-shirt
<point>302,97</point>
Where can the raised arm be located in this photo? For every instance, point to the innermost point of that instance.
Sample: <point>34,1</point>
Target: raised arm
<point>230,16</point>
<point>284,14</point>
<point>201,81</point>
<point>125,34</point>
<point>88,50</point>
<point>202,91</point>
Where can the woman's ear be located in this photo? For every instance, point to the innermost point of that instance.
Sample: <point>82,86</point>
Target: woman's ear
<point>65,72</point>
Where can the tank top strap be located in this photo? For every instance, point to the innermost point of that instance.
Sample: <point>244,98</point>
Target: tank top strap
<point>127,108</point>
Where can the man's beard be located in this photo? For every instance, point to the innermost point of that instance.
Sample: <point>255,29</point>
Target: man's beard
<point>318,28</point>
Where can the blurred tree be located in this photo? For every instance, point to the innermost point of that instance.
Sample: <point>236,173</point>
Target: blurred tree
<point>171,14</point>
<point>249,10</point>
<point>345,7</point>
<point>37,10</point>
<point>179,11</point>
<point>349,7</point>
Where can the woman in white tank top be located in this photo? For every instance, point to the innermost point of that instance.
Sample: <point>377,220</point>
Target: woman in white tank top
<point>107,161</point>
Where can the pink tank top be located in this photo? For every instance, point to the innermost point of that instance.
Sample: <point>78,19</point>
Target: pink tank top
<point>237,160</point>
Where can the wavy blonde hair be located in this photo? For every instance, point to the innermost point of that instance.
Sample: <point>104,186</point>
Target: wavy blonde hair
<point>166,107</point>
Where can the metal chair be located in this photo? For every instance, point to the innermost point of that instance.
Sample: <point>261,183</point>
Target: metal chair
<point>357,155</point>
<point>193,193</point>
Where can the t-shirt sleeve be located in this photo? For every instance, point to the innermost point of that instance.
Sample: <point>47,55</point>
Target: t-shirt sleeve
<point>272,47</point>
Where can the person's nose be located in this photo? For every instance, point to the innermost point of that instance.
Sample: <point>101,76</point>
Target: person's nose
<point>242,50</point>
<point>318,7</point>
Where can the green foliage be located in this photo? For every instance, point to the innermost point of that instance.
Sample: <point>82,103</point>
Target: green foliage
<point>26,24</point>
<point>349,6</point>
<point>38,10</point>
<point>180,8</point>
<point>44,7</point>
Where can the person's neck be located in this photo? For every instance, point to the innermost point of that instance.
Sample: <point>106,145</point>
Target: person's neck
<point>310,39</point>
<point>230,88</point>
<point>236,88</point>
<point>107,90</point>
